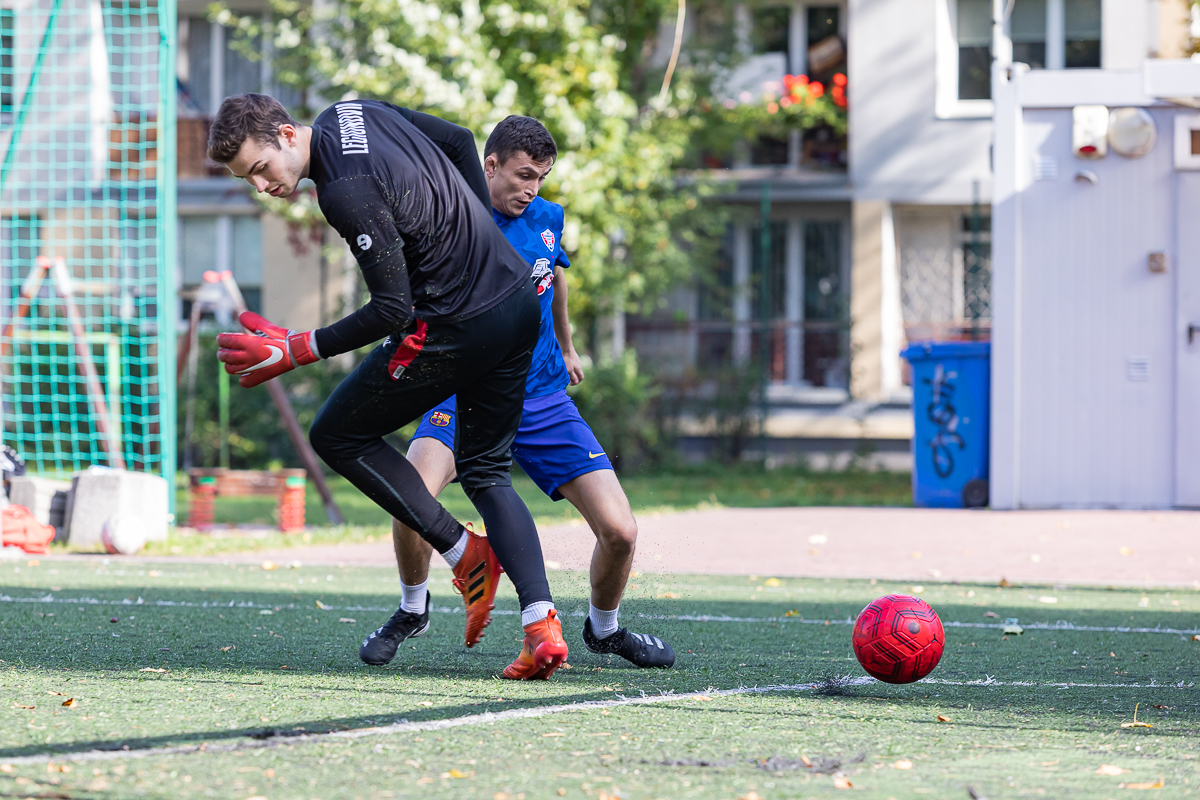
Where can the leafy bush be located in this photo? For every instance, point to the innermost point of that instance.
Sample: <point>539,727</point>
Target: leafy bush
<point>614,398</point>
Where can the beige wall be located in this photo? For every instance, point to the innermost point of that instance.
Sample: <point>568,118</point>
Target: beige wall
<point>291,279</point>
<point>866,300</point>
<point>1174,38</point>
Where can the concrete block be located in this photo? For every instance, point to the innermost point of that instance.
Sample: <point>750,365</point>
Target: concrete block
<point>100,492</point>
<point>46,498</point>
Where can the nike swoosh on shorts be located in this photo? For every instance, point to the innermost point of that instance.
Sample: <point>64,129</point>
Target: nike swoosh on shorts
<point>595,455</point>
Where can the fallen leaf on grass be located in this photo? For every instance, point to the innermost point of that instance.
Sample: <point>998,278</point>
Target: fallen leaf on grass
<point>943,718</point>
<point>154,573</point>
<point>750,796</point>
<point>60,694</point>
<point>991,614</point>
<point>1004,584</point>
<point>1109,769</point>
<point>285,666</point>
<point>27,708</point>
<point>230,647</point>
<point>269,565</point>
<point>1050,763</point>
<point>1158,784</point>
<point>322,606</point>
<point>772,582</point>
<point>455,773</point>
<point>793,613</point>
<point>1196,637</point>
<point>842,783</point>
<point>1135,723</point>
<point>548,735</point>
<point>667,596</point>
<point>70,702</point>
<point>1162,708</point>
<point>903,763</point>
<point>805,761</point>
<point>703,697</point>
<point>6,767</point>
<point>347,619</point>
<point>425,703</point>
<point>151,669</point>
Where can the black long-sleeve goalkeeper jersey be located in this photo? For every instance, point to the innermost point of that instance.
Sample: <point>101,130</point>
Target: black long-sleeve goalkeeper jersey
<point>426,244</point>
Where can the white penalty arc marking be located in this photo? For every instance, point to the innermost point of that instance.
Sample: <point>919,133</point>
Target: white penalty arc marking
<point>1060,625</point>
<point>489,717</point>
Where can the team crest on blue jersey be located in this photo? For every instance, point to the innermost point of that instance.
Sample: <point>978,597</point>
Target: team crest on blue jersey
<point>543,275</point>
<point>440,419</point>
<point>548,238</point>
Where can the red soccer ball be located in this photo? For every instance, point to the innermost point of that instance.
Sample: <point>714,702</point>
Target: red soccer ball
<point>898,639</point>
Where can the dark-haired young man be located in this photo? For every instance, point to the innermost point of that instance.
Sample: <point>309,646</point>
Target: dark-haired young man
<point>459,311</point>
<point>554,445</point>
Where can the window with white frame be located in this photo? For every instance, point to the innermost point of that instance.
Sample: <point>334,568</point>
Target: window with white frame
<point>222,242</point>
<point>1045,34</point>
<point>773,39</point>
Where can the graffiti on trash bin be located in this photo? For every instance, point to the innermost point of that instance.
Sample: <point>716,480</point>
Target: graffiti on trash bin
<point>942,414</point>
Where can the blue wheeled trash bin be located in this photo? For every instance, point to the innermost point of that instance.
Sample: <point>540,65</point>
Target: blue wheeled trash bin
<point>951,384</point>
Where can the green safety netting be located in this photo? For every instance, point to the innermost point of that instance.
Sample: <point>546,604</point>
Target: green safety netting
<point>87,233</point>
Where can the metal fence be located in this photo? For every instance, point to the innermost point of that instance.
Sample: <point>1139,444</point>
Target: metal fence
<point>945,292</point>
<point>87,233</point>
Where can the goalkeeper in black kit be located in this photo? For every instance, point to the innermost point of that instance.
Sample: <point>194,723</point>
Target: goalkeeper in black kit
<point>457,309</point>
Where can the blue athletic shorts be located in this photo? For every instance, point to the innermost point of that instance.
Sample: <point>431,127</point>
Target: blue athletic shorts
<point>554,445</point>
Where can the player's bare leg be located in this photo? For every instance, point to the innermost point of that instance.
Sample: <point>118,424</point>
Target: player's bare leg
<point>600,499</point>
<point>435,464</point>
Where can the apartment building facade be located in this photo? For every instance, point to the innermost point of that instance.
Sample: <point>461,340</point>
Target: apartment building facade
<point>874,239</point>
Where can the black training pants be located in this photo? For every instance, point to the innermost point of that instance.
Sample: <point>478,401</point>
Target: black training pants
<point>484,360</point>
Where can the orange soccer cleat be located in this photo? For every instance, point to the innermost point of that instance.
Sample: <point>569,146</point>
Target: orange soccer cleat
<point>543,651</point>
<point>476,578</point>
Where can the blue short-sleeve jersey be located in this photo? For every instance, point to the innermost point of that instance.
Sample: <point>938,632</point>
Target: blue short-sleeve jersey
<point>537,236</point>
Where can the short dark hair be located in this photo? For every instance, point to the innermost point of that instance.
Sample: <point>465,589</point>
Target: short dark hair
<point>242,117</point>
<point>516,134</point>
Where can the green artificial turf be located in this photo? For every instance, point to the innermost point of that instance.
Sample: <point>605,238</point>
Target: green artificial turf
<point>235,657</point>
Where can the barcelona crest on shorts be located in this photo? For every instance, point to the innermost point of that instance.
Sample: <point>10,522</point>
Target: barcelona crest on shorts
<point>440,418</point>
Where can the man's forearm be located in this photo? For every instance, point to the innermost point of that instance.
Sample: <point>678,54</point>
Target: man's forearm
<point>558,306</point>
<point>388,311</point>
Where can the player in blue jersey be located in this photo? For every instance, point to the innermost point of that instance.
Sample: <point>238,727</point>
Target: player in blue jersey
<point>554,446</point>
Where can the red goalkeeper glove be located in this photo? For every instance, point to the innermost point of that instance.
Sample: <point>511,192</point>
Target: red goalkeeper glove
<point>266,352</point>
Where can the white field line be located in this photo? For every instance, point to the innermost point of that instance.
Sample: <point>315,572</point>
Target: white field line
<point>489,718</point>
<point>1060,625</point>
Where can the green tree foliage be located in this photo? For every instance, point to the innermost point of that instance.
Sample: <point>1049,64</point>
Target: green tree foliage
<point>634,229</point>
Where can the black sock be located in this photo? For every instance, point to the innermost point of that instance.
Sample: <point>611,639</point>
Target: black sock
<point>514,539</point>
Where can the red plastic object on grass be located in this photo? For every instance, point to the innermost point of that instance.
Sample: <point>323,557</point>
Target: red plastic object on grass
<point>21,529</point>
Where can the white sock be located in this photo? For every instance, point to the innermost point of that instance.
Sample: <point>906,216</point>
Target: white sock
<point>455,554</point>
<point>412,598</point>
<point>604,623</point>
<point>535,612</point>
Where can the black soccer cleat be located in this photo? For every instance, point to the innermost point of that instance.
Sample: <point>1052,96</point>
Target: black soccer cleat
<point>639,649</point>
<point>380,647</point>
